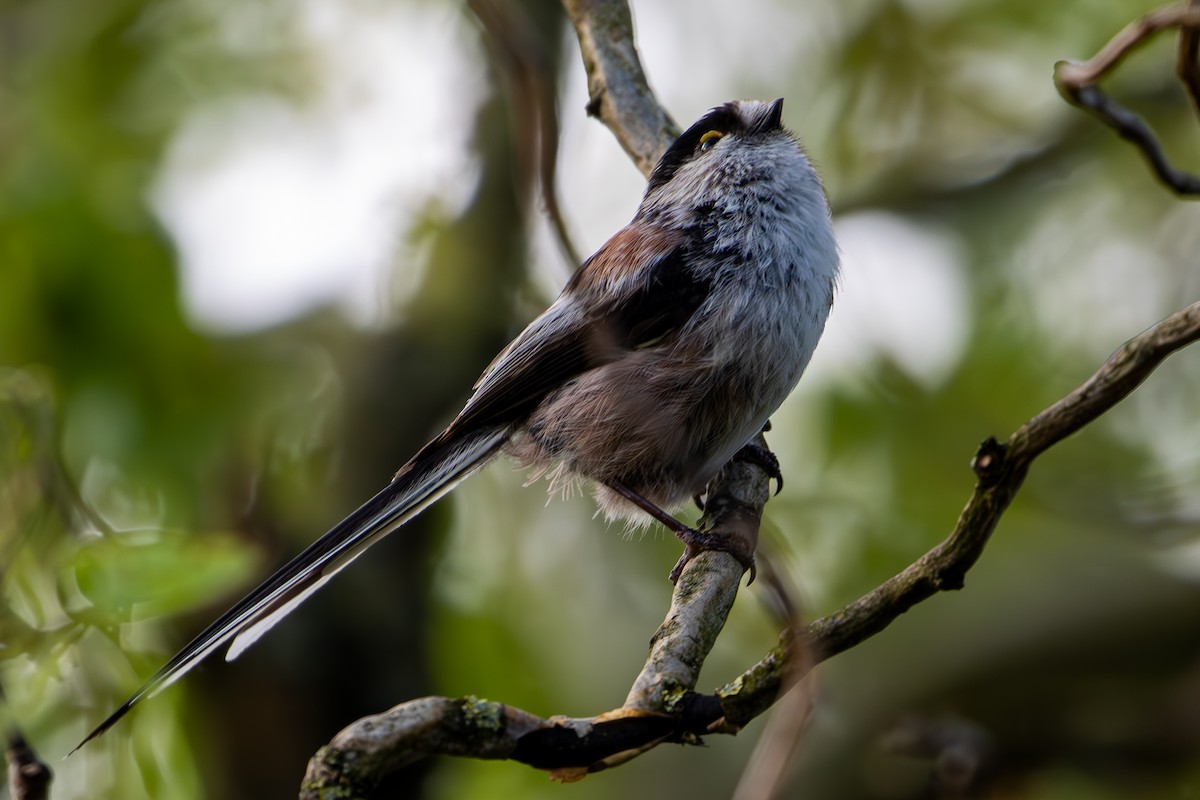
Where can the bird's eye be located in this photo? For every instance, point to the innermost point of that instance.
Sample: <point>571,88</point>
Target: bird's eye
<point>709,139</point>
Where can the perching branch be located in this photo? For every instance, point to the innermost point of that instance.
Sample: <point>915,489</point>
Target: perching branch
<point>1078,82</point>
<point>662,704</point>
<point>662,707</point>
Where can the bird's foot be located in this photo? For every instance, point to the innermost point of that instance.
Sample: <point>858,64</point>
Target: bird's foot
<point>760,456</point>
<point>696,542</point>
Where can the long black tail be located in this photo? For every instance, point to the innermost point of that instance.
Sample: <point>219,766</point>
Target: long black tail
<point>435,470</point>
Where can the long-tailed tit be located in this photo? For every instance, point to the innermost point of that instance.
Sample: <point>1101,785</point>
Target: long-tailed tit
<point>663,356</point>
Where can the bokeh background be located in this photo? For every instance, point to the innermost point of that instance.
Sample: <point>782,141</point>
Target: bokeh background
<point>253,254</point>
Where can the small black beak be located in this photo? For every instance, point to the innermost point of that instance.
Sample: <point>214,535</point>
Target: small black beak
<point>772,119</point>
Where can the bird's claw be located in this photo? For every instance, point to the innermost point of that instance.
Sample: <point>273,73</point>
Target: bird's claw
<point>760,456</point>
<point>696,542</point>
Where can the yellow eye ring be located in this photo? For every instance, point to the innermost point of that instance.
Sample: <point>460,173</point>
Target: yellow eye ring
<point>709,139</point>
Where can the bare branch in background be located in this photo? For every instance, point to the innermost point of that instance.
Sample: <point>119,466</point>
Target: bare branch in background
<point>516,49</point>
<point>1079,84</point>
<point>957,749</point>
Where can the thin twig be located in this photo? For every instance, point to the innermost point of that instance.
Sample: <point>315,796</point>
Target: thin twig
<point>523,59</point>
<point>1000,468</point>
<point>767,768</point>
<point>1078,82</point>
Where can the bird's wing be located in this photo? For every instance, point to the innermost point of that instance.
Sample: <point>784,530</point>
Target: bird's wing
<point>610,309</point>
<point>634,292</point>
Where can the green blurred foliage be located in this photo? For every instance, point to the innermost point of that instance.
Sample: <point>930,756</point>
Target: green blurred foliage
<point>150,469</point>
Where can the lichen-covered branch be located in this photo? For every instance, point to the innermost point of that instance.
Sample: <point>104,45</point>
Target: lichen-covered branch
<point>704,593</point>
<point>662,706</point>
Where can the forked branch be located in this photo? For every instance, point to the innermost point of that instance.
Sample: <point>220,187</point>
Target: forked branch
<point>1079,83</point>
<point>570,748</point>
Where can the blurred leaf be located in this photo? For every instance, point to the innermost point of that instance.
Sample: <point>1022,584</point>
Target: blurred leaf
<point>158,573</point>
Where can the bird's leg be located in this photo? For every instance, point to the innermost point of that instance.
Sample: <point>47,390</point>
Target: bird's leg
<point>695,542</point>
<point>674,525</point>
